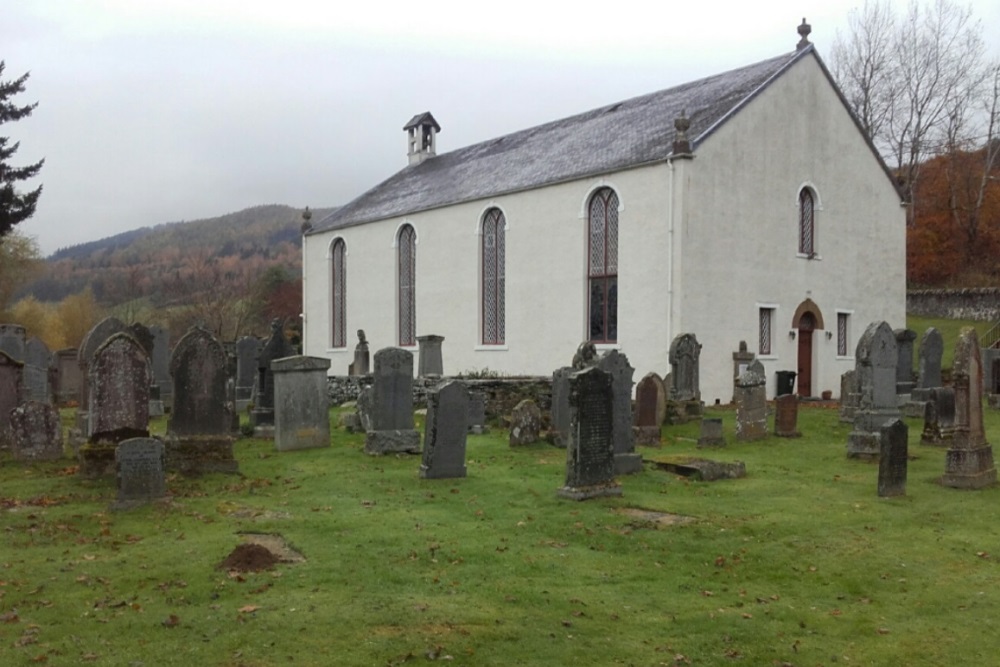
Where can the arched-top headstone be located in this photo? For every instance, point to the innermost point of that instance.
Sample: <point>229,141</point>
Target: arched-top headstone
<point>929,365</point>
<point>37,361</point>
<point>650,401</point>
<point>198,370</point>
<point>685,351</point>
<point>119,378</point>
<point>11,383</point>
<point>12,341</point>
<point>904,360</point>
<point>875,374</point>
<point>276,347</point>
<point>94,338</point>
<point>616,364</point>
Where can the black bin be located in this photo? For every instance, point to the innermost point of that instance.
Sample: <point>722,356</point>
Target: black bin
<point>786,382</point>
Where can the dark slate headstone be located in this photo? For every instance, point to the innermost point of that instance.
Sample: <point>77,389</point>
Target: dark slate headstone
<point>892,459</point>
<point>969,461</point>
<point>68,378</point>
<point>875,365</point>
<point>247,351</point>
<point>139,464</point>
<point>431,362</point>
<point>12,340</point>
<point>560,405</point>
<point>939,417</point>
<point>627,461</point>
<point>37,360</point>
<point>361,364</point>
<point>36,432</point>
<point>929,355</point>
<point>198,371</point>
<point>160,361</point>
<point>392,404</point>
<point>685,351</point>
<point>849,396</point>
<point>119,377</point>
<point>786,416</point>
<point>445,431</point>
<point>904,360</point>
<point>276,347</point>
<point>525,423</point>
<point>301,403</point>
<point>650,409</point>
<point>11,389</point>
<point>590,454</point>
<point>751,403</point>
<point>477,413</point>
<point>711,433</point>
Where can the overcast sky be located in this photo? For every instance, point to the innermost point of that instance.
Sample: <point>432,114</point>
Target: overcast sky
<point>169,110</point>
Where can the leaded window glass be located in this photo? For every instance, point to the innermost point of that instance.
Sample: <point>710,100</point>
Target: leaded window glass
<point>765,330</point>
<point>602,223</point>
<point>339,292</point>
<point>407,253</point>
<point>806,223</point>
<point>493,249</point>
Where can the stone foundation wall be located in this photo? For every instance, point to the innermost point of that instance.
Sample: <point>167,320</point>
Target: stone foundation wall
<point>981,303</point>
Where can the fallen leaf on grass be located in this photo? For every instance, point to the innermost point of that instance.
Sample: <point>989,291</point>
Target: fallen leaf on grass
<point>89,657</point>
<point>883,631</point>
<point>246,609</point>
<point>9,617</point>
<point>171,621</point>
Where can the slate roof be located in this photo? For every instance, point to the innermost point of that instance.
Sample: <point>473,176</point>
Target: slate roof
<point>607,139</point>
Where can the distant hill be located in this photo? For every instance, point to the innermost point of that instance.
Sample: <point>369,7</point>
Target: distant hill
<point>143,262</point>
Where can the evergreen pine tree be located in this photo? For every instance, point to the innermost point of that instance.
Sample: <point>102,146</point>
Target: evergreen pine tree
<point>15,206</point>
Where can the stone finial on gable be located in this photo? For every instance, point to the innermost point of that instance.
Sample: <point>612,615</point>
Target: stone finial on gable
<point>804,30</point>
<point>682,147</point>
<point>421,133</point>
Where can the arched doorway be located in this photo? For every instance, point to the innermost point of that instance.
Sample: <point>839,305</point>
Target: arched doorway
<point>806,320</point>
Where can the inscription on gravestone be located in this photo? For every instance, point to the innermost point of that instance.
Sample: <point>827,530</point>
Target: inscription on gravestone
<point>590,454</point>
<point>893,459</point>
<point>139,465</point>
<point>875,366</point>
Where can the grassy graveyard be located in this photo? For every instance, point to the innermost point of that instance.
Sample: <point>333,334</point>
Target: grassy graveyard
<point>800,563</point>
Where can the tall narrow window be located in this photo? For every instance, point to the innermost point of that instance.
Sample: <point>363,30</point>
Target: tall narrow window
<point>806,223</point>
<point>766,316</point>
<point>406,249</point>
<point>339,291</point>
<point>603,266</point>
<point>493,277</point>
<point>842,322</point>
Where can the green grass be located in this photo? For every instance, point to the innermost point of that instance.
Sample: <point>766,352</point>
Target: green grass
<point>799,563</point>
<point>949,330</point>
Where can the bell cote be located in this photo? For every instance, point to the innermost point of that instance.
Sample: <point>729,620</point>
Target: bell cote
<point>421,137</point>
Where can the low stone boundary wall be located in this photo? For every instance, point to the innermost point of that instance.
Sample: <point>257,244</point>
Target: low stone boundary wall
<point>501,394</point>
<point>979,303</point>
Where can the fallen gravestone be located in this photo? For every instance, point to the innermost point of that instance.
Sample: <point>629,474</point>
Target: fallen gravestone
<point>704,470</point>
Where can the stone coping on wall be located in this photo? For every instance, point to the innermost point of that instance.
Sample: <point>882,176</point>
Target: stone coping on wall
<point>970,303</point>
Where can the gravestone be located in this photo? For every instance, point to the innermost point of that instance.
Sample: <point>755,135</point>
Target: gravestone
<point>875,365</point>
<point>144,336</point>
<point>939,417</point>
<point>36,433</point>
<point>11,390</point>
<point>118,378</point>
<point>969,461</point>
<point>445,431</point>
<point>741,360</point>
<point>364,408</point>
<point>627,461</point>
<point>68,378</point>
<point>160,361</point>
<point>360,365</point>
<point>525,423</point>
<point>650,408</point>
<point>430,362</point>
<point>904,360</point>
<point>276,347</point>
<point>477,414</point>
<point>93,339</point>
<point>37,360</point>
<point>849,396</point>
<point>786,416</point>
<point>140,472</point>
<point>929,356</point>
<point>560,406</point>
<point>247,352</point>
<point>751,403</point>
<point>590,452</point>
<point>684,392</point>
<point>703,470</point>
<point>13,338</point>
<point>392,404</point>
<point>892,459</point>
<point>711,433</point>
<point>301,403</point>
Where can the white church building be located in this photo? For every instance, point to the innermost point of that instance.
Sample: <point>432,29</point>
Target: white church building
<point>746,206</point>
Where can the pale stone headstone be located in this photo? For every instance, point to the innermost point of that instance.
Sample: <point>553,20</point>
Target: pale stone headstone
<point>301,403</point>
<point>627,461</point>
<point>849,396</point>
<point>37,361</point>
<point>751,403</point>
<point>939,417</point>
<point>929,354</point>
<point>392,404</point>
<point>590,453</point>
<point>525,423</point>
<point>93,339</point>
<point>560,405</point>
<point>139,464</point>
<point>11,390</point>
<point>711,433</point>
<point>650,409</point>
<point>786,416</point>
<point>445,431</point>
<point>198,371</point>
<point>904,360</point>
<point>36,432</point>
<point>969,461</point>
<point>892,459</point>
<point>119,379</point>
<point>875,365</point>
<point>430,362</point>
<point>276,347</point>
<point>741,360</point>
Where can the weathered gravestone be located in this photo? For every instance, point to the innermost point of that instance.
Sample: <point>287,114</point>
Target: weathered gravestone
<point>525,423</point>
<point>929,356</point>
<point>94,338</point>
<point>892,459</point>
<point>875,365</point>
<point>247,351</point>
<point>68,378</point>
<point>361,364</point>
<point>786,416</point>
<point>741,360</point>
<point>904,360</point>
<point>849,396</point>
<point>650,409</point>
<point>139,468</point>
<point>276,347</point>
<point>477,413</point>
<point>684,393</point>
<point>431,362</point>
<point>13,338</point>
<point>751,403</point>
<point>711,433</point>
<point>969,461</point>
<point>37,361</point>
<point>11,389</point>
<point>118,378</point>
<point>144,336</point>
<point>627,461</point>
<point>160,361</point>
<point>366,401</point>
<point>392,404</point>
<point>198,432</point>
<point>301,403</point>
<point>36,433</point>
<point>939,417</point>
<point>590,453</point>
<point>560,406</point>
<point>445,431</point>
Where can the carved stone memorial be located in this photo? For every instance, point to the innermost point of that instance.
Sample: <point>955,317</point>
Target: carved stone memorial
<point>276,347</point>
<point>684,393</point>
<point>301,403</point>
<point>627,461</point>
<point>445,431</point>
<point>525,423</point>
<point>969,461</point>
<point>751,403</point>
<point>939,417</point>
<point>36,433</point>
<point>139,466</point>
<point>392,404</point>
<point>786,416</point>
<point>892,459</point>
<point>590,453</point>
<point>560,406</point>
<point>711,433</point>
<point>650,409</point>
<point>875,365</point>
